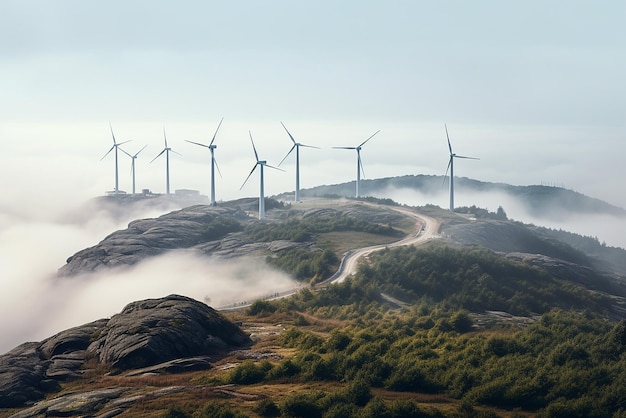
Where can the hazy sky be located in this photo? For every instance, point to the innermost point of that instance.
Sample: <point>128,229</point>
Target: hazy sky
<point>535,89</point>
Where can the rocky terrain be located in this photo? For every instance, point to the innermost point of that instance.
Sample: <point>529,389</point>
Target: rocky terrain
<point>174,333</point>
<point>210,230</point>
<point>177,334</point>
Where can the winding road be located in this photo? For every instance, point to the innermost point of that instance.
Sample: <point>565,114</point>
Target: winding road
<point>425,228</point>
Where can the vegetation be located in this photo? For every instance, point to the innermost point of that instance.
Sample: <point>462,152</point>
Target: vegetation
<point>301,229</point>
<point>418,331</point>
<point>480,213</point>
<point>305,263</point>
<point>219,227</point>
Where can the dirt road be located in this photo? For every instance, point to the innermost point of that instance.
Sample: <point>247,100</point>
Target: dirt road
<point>426,228</point>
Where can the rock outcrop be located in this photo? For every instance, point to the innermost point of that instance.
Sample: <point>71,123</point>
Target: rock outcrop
<point>144,238</point>
<point>154,331</point>
<point>169,334</point>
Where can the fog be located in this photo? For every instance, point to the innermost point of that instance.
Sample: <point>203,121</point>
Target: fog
<point>608,229</point>
<point>35,304</point>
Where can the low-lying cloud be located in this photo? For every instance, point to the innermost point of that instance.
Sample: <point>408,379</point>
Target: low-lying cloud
<point>35,303</point>
<point>608,229</point>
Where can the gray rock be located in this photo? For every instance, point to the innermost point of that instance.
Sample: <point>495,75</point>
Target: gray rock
<point>144,238</point>
<point>73,404</point>
<point>21,372</point>
<point>154,331</point>
<point>175,366</point>
<point>174,334</point>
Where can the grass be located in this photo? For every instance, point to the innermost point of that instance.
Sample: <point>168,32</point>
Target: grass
<point>340,242</point>
<point>205,386</point>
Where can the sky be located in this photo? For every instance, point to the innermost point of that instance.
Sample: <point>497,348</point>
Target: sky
<point>534,89</point>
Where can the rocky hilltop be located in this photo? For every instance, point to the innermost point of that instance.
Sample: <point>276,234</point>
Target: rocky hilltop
<point>225,231</point>
<point>174,333</point>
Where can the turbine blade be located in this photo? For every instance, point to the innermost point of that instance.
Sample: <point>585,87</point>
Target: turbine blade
<point>112,134</point>
<point>363,143</point>
<point>448,136</point>
<point>344,147</point>
<point>178,153</point>
<point>285,157</point>
<point>111,149</point>
<point>218,167</point>
<point>288,133</point>
<point>197,143</point>
<point>218,128</point>
<point>467,158</point>
<point>144,147</point>
<point>161,153</point>
<point>445,176</point>
<point>251,171</point>
<point>256,155</point>
<point>275,168</point>
<point>361,164</point>
<point>308,146</point>
<point>122,143</point>
<point>121,149</point>
<point>164,137</point>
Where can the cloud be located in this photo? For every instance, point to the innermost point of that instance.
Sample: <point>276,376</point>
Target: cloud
<point>608,229</point>
<point>36,305</point>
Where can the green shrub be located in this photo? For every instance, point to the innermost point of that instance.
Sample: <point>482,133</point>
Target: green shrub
<point>267,408</point>
<point>215,409</point>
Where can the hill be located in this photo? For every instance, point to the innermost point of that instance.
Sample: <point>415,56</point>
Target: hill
<point>492,318</point>
<point>539,201</point>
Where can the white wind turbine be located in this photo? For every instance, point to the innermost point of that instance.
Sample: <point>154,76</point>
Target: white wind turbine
<point>451,168</point>
<point>359,165</point>
<point>115,146</point>
<point>259,163</point>
<point>297,146</point>
<point>211,148</point>
<point>166,150</point>
<point>132,164</point>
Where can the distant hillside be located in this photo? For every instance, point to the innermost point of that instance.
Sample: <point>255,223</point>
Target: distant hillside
<point>537,200</point>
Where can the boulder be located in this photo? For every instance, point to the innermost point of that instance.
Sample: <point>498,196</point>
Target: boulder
<point>171,334</point>
<point>154,331</point>
<point>21,372</point>
<point>144,238</point>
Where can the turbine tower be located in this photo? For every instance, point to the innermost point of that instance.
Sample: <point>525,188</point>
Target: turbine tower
<point>166,150</point>
<point>259,163</point>
<point>132,164</point>
<point>451,168</point>
<point>211,148</point>
<point>115,146</point>
<point>359,165</point>
<point>296,146</point>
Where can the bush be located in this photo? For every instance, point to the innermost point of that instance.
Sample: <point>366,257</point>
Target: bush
<point>301,405</point>
<point>248,372</point>
<point>261,308</point>
<point>267,408</point>
<point>214,409</point>
<point>176,412</point>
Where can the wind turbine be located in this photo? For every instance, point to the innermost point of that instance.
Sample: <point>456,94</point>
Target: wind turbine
<point>451,168</point>
<point>115,146</point>
<point>166,150</point>
<point>359,165</point>
<point>297,146</point>
<point>211,148</point>
<point>259,163</point>
<point>132,164</point>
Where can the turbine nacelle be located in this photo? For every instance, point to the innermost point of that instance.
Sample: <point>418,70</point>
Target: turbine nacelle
<point>359,164</point>
<point>450,168</point>
<point>211,147</point>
